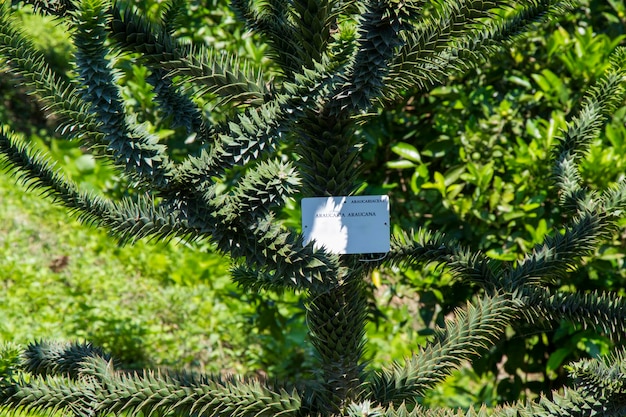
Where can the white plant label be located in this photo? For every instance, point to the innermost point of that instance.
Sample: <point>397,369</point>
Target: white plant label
<point>347,225</point>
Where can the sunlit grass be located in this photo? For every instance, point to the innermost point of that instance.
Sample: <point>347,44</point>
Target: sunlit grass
<point>148,304</point>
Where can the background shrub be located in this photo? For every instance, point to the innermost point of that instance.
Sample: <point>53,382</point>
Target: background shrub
<point>471,160</point>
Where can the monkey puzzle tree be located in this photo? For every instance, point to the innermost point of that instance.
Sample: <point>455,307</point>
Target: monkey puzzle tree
<point>293,134</point>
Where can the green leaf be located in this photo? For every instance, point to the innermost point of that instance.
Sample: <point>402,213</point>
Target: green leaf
<point>400,164</point>
<point>556,360</point>
<point>407,151</point>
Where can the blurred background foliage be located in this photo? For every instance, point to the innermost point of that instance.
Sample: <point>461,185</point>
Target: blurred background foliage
<point>470,159</point>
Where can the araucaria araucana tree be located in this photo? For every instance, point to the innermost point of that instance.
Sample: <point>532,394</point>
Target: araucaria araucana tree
<point>294,134</point>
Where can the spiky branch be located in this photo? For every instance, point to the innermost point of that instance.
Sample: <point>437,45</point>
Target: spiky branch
<point>288,136</point>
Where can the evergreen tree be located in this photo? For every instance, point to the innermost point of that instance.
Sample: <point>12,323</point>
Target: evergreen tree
<point>294,135</point>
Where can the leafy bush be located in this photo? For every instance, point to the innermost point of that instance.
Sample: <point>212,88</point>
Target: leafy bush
<point>472,159</point>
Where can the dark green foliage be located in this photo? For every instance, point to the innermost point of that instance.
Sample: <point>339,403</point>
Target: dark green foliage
<point>96,380</point>
<point>471,333</point>
<point>290,132</point>
<point>50,359</point>
<point>476,164</point>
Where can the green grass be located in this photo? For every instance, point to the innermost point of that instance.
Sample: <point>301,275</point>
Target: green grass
<point>148,304</point>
